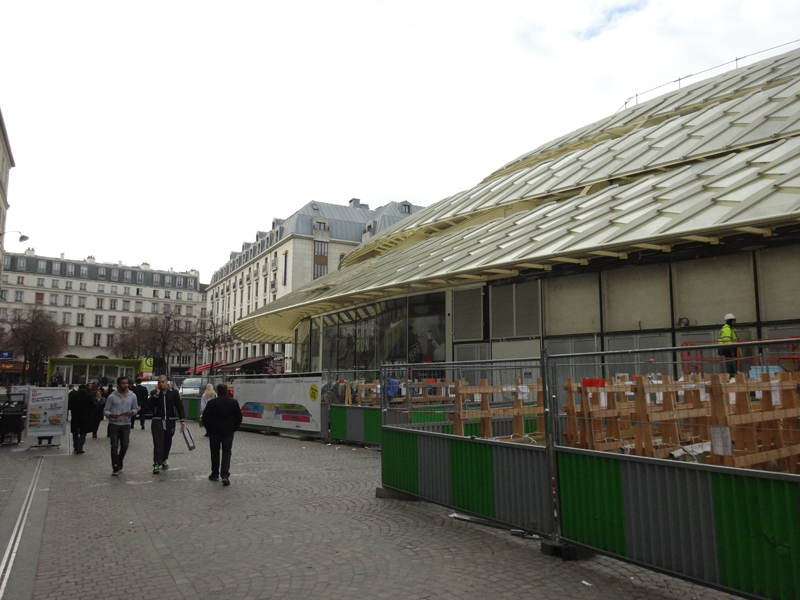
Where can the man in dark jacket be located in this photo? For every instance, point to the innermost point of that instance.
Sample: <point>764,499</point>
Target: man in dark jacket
<point>81,406</point>
<point>221,419</point>
<point>167,408</point>
<point>141,395</point>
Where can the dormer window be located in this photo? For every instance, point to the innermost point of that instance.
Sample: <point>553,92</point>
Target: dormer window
<point>407,208</point>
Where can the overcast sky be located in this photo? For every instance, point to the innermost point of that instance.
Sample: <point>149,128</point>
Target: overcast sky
<point>170,132</point>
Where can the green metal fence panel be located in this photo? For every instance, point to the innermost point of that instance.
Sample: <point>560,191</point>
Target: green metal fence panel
<point>338,422</point>
<point>592,504</point>
<point>757,526</point>
<point>430,414</point>
<point>372,426</point>
<point>472,477</point>
<point>399,464</point>
<point>530,425</point>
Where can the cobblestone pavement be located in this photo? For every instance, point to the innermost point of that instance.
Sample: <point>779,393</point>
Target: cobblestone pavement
<point>300,520</point>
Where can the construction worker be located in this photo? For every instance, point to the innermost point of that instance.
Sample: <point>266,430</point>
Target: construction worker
<point>727,335</point>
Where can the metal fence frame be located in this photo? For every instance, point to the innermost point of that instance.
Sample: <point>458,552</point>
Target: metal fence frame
<point>693,526</point>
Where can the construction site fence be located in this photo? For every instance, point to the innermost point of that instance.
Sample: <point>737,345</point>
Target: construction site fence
<point>683,462</point>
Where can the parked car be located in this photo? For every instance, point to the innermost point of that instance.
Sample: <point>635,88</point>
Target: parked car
<point>190,388</point>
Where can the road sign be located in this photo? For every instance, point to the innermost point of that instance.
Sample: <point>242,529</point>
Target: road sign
<point>6,355</point>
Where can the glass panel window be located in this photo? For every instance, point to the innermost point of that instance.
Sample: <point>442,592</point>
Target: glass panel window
<point>140,277</point>
<point>3,314</point>
<point>167,280</point>
<point>138,306</point>
<point>426,319</point>
<point>17,296</point>
<point>112,304</point>
<point>56,268</point>
<point>190,283</point>
<point>79,339</point>
<point>114,289</point>
<point>101,272</point>
<point>84,271</point>
<point>124,322</point>
<point>114,274</point>
<point>329,342</point>
<point>53,299</point>
<point>100,302</point>
<point>140,291</point>
<point>96,341</point>
<point>189,296</point>
<point>392,332</point>
<point>81,301</point>
<point>21,279</point>
<point>101,288</point>
<point>6,262</point>
<point>156,279</point>
<point>55,283</point>
<point>126,291</point>
<point>39,299</point>
<point>66,318</point>
<point>126,305</point>
<point>21,263</point>
<point>81,318</point>
<point>112,321</point>
<point>40,281</point>
<point>53,315</point>
<point>155,294</point>
<point>127,275</point>
<point>154,307</point>
<point>70,269</point>
<point>67,285</point>
<point>178,296</point>
<point>42,266</point>
<point>110,340</point>
<point>179,281</point>
<point>68,300</point>
<point>98,320</point>
<point>82,286</point>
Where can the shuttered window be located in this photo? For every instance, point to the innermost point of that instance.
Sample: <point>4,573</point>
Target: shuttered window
<point>468,315</point>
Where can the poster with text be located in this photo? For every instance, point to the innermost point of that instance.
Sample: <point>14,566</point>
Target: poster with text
<point>47,412</point>
<point>290,403</point>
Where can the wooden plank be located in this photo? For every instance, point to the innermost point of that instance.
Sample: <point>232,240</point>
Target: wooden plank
<point>761,457</point>
<point>643,430</point>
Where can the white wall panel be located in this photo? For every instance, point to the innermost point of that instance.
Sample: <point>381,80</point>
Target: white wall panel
<point>705,290</point>
<point>572,304</point>
<point>636,298</point>
<point>516,349</point>
<point>779,283</point>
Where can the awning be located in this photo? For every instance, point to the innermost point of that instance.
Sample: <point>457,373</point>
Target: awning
<point>247,363</point>
<point>203,368</point>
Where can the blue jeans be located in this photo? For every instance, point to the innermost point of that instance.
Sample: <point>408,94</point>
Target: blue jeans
<point>120,438</point>
<point>78,440</point>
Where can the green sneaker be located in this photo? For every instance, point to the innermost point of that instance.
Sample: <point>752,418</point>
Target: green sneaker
<point>164,465</point>
<point>155,470</point>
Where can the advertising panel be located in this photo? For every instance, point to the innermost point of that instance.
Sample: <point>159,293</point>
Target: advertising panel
<point>47,412</point>
<point>291,403</point>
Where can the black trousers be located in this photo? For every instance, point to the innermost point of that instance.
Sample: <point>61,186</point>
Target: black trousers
<point>162,439</point>
<point>140,416</point>
<point>120,438</point>
<point>224,442</point>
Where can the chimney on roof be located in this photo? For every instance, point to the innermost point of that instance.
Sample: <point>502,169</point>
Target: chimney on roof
<point>90,259</point>
<point>62,256</point>
<point>355,203</point>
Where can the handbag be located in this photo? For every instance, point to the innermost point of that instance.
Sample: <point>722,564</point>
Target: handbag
<point>187,437</point>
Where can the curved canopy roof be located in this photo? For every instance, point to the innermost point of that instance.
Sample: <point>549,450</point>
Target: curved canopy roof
<point>730,164</point>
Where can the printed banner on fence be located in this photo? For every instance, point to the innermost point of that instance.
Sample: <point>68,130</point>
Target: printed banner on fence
<point>47,412</point>
<point>290,403</point>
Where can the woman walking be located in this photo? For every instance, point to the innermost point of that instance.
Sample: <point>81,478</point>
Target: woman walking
<point>207,395</point>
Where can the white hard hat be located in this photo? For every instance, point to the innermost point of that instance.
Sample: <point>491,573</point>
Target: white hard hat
<point>730,316</point>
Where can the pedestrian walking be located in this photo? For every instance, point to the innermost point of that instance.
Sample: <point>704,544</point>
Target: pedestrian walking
<point>167,408</point>
<point>81,407</point>
<point>120,408</point>
<point>141,396</point>
<point>221,418</point>
<point>727,335</point>
<point>99,404</point>
<point>207,395</point>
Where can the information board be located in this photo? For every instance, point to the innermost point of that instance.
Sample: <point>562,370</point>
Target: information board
<point>47,412</point>
<point>285,403</point>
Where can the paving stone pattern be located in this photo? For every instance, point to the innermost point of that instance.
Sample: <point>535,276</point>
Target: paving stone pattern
<point>300,520</point>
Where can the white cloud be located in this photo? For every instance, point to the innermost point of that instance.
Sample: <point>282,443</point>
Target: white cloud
<point>193,124</point>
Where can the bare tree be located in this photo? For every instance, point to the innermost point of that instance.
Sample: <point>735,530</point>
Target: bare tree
<point>194,339</point>
<point>134,341</point>
<point>215,334</point>
<point>37,336</point>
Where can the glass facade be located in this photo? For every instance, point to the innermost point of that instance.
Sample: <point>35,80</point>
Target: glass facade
<point>362,339</point>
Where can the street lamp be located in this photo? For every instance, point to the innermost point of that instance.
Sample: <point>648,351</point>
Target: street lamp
<point>22,236</point>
